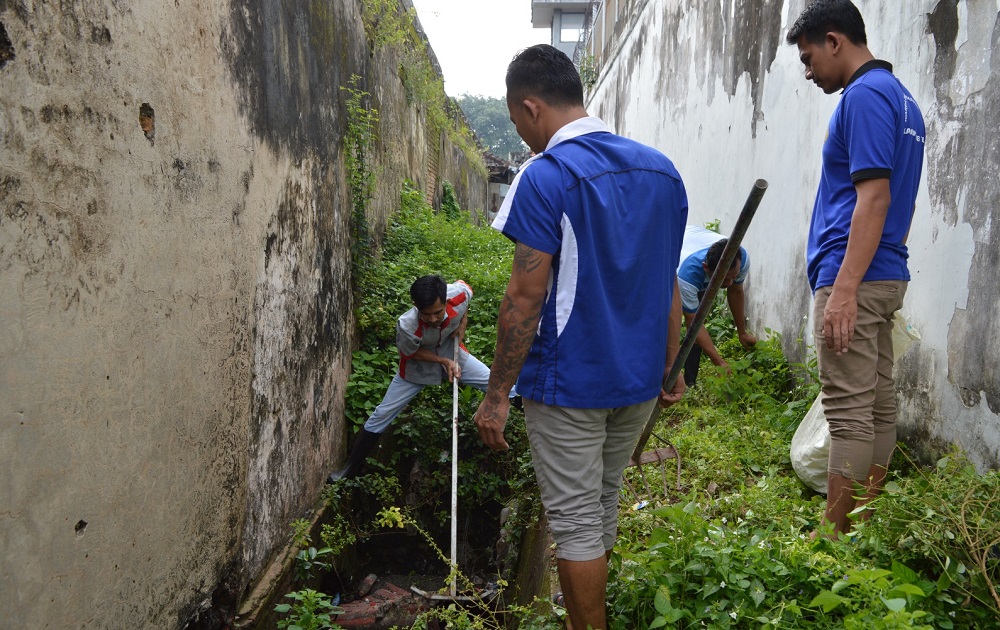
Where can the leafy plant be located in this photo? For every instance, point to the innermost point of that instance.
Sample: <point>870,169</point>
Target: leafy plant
<point>311,610</point>
<point>589,72</point>
<point>310,559</point>
<point>337,535</point>
<point>300,532</point>
<point>359,143</point>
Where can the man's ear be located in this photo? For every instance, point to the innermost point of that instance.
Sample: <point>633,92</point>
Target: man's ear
<point>835,41</point>
<point>534,108</point>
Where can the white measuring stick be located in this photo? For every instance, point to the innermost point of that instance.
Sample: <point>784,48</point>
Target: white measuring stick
<point>454,479</point>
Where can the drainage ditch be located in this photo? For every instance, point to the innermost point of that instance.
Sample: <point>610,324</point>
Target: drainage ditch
<point>387,575</point>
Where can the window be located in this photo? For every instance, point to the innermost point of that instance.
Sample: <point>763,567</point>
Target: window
<point>570,27</point>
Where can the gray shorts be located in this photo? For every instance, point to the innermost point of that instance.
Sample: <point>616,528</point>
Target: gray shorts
<point>578,456</point>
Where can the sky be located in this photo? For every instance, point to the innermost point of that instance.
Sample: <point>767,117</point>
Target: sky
<point>474,40</point>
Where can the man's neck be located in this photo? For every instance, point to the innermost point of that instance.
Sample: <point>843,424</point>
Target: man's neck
<point>857,55</point>
<point>559,118</point>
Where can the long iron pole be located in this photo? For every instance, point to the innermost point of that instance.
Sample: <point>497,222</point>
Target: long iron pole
<point>728,255</point>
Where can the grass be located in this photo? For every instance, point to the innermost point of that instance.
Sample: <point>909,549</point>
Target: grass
<point>731,547</point>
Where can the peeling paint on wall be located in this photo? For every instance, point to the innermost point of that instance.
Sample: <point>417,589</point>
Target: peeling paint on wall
<point>964,167</point>
<point>722,41</point>
<point>730,104</point>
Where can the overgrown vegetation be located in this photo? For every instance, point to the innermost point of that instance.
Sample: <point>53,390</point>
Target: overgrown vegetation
<point>359,145</point>
<point>419,241</point>
<point>730,548</point>
<point>389,27</point>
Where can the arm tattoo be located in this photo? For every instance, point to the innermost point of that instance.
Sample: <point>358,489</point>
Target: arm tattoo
<point>517,321</point>
<point>526,259</point>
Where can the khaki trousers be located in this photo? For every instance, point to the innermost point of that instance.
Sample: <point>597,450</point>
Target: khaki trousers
<point>859,397</point>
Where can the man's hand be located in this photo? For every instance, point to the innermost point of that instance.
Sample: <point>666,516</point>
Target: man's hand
<point>491,418</point>
<point>839,317</point>
<point>452,369</point>
<point>747,339</point>
<point>673,396</point>
<point>719,362</point>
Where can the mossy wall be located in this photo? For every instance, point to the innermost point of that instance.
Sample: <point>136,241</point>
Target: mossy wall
<point>175,302</point>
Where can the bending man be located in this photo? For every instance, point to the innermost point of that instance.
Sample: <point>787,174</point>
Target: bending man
<point>700,255</point>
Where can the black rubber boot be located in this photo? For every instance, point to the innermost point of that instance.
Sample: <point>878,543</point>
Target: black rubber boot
<point>362,447</point>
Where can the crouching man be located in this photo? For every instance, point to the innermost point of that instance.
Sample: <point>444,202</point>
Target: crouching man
<point>425,337</point>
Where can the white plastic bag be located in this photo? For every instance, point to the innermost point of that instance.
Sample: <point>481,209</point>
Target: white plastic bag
<point>811,443</point>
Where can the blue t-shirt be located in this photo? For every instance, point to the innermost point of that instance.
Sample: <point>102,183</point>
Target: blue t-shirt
<point>611,212</point>
<point>692,278</point>
<point>876,131</point>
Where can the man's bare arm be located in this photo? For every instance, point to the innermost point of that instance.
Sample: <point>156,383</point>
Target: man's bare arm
<point>736,297</point>
<point>673,349</point>
<point>867,224</point>
<point>517,324</point>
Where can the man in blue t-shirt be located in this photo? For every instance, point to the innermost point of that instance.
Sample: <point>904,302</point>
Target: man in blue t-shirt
<point>856,255</point>
<point>590,320</point>
<point>700,255</point>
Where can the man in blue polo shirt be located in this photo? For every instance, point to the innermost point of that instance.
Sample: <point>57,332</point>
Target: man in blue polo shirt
<point>590,319</point>
<point>872,160</point>
<point>700,255</point>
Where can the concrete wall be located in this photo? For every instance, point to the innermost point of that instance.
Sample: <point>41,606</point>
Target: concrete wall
<point>713,85</point>
<point>175,307</point>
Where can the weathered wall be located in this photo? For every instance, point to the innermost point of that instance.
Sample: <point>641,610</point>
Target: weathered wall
<point>175,306</point>
<point>713,85</point>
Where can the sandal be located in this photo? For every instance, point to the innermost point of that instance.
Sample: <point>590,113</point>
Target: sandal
<point>558,599</point>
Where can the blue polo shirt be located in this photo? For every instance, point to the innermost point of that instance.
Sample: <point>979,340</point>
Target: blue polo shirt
<point>611,212</point>
<point>876,131</point>
<point>692,278</point>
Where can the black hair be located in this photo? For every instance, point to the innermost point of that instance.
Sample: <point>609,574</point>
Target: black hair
<point>714,255</point>
<point>546,72</point>
<point>826,16</point>
<point>427,290</point>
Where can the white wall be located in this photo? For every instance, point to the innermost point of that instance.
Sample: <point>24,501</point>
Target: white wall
<point>714,86</point>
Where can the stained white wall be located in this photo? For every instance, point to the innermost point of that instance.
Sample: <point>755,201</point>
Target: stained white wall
<point>714,86</point>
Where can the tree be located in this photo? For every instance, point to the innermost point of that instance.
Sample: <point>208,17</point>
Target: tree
<point>491,121</point>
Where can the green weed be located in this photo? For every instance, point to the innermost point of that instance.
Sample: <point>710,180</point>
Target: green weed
<point>732,549</point>
<point>311,610</point>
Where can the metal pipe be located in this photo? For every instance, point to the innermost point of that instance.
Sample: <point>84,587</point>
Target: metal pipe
<point>728,255</point>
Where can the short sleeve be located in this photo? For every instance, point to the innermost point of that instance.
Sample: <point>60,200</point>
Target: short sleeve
<point>870,132</point>
<point>744,267</point>
<point>689,296</point>
<point>533,216</point>
<point>407,342</point>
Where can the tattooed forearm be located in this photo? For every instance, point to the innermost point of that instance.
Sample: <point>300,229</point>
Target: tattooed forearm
<point>515,333</point>
<point>518,318</point>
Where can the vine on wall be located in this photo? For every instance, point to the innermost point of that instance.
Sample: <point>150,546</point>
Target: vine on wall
<point>389,27</point>
<point>359,142</point>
